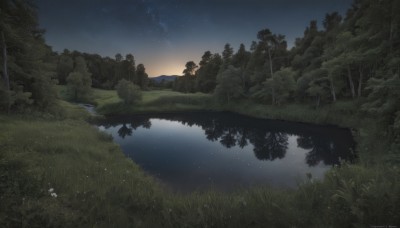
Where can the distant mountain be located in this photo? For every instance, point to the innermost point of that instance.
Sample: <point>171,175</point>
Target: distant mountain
<point>167,78</point>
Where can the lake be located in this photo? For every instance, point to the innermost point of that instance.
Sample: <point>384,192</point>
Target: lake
<point>226,151</point>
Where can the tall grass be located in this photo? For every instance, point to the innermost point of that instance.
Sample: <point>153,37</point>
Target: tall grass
<point>94,182</point>
<point>344,114</point>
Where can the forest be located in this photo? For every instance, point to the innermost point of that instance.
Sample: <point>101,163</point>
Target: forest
<point>349,62</point>
<point>353,57</point>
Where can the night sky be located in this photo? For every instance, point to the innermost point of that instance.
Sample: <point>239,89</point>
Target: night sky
<point>165,34</point>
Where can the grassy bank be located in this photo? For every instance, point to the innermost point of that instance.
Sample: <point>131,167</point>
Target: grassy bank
<point>97,186</point>
<point>90,176</point>
<point>108,103</point>
<point>344,114</point>
<point>366,130</point>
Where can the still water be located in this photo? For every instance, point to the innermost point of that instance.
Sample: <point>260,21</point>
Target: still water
<point>226,151</point>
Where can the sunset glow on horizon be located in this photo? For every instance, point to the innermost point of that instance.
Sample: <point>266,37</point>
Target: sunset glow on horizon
<point>164,35</point>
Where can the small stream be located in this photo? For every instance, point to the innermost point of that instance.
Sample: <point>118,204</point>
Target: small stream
<point>89,107</point>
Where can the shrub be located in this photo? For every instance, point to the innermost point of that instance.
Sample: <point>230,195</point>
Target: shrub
<point>128,92</point>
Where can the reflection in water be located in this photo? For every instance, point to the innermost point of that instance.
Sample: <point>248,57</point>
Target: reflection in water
<point>268,140</point>
<point>322,149</point>
<point>269,144</point>
<point>124,131</point>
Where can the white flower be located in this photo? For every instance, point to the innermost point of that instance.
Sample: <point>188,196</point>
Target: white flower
<point>54,195</point>
<point>51,190</point>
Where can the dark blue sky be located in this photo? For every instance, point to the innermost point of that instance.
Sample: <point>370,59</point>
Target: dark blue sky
<point>165,34</point>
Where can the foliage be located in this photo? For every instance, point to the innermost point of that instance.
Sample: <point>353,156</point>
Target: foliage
<point>327,66</point>
<point>384,101</point>
<point>65,66</point>
<point>79,81</point>
<point>226,56</point>
<point>190,68</point>
<point>229,85</point>
<point>128,92</point>
<point>240,60</point>
<point>105,71</point>
<point>282,84</point>
<point>15,97</point>
<point>142,79</point>
<point>207,72</point>
<point>187,82</point>
<point>27,67</point>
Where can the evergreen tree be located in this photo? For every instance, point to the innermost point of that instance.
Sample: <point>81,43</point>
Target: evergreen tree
<point>142,77</point>
<point>207,73</point>
<point>27,67</point>
<point>130,68</point>
<point>79,81</point>
<point>240,60</point>
<point>65,66</point>
<point>226,56</point>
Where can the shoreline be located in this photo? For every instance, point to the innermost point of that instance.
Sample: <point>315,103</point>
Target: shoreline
<point>94,180</point>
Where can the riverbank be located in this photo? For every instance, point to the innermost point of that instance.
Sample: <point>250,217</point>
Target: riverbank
<point>107,102</point>
<point>366,130</point>
<point>97,186</point>
<point>65,173</point>
<point>344,114</point>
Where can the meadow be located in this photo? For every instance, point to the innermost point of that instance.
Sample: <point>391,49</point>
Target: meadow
<point>108,103</point>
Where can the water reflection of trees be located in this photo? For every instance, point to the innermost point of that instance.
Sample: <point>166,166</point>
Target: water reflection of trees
<point>270,145</point>
<point>127,127</point>
<point>267,144</point>
<point>268,138</point>
<point>324,150</point>
<point>124,131</point>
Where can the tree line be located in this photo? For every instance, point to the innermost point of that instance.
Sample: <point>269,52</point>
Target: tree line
<point>81,71</point>
<point>344,60</point>
<point>352,57</point>
<point>105,71</point>
<point>30,69</point>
